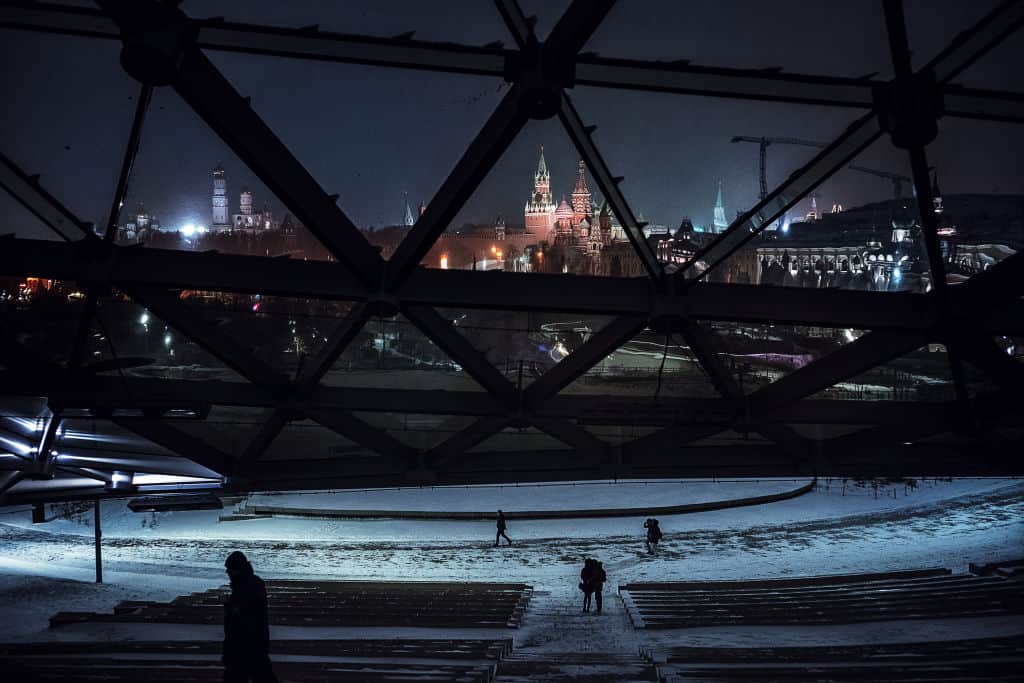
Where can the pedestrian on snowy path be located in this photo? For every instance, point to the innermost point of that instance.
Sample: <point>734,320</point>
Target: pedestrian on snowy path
<point>587,582</point>
<point>594,584</point>
<point>246,632</point>
<point>501,530</point>
<point>653,535</point>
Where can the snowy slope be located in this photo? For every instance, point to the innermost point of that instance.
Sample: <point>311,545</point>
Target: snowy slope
<point>938,524</point>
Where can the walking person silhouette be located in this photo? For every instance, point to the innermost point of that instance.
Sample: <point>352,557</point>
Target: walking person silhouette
<point>246,631</point>
<point>501,530</point>
<point>653,535</point>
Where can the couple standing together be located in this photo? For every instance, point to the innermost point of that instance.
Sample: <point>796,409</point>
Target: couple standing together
<point>592,579</point>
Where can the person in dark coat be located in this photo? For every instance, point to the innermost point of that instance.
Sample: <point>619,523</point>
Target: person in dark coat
<point>594,584</point>
<point>246,632</point>
<point>501,530</point>
<point>653,535</point>
<point>587,582</point>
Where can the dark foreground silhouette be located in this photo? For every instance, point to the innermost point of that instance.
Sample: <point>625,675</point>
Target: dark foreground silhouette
<point>246,633</point>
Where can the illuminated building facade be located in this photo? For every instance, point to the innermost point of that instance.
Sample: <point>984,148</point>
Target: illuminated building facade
<point>540,208</point>
<point>220,199</point>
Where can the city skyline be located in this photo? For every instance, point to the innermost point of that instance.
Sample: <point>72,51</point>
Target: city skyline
<point>408,130</point>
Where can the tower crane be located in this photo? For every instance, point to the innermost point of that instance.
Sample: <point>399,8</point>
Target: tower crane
<point>896,178</point>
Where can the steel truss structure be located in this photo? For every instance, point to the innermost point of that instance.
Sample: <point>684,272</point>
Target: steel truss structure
<point>164,48</point>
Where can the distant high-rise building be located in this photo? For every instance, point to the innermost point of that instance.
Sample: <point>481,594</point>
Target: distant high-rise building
<point>499,228</point>
<point>936,194</point>
<point>423,208</point>
<point>220,199</point>
<point>720,223</point>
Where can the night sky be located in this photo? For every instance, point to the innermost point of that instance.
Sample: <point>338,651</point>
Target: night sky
<point>374,134</point>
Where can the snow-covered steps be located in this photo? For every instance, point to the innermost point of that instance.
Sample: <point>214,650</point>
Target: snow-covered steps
<point>341,603</point>
<point>373,661</point>
<point>1009,569</point>
<point>961,660</point>
<point>586,667</point>
<point>924,594</point>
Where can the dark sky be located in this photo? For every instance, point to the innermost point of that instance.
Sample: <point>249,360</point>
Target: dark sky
<point>373,134</point>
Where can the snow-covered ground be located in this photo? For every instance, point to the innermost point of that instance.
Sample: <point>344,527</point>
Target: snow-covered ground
<point>47,568</point>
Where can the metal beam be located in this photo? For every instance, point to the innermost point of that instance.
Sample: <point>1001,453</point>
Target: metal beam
<point>516,22</point>
<point>152,268</point>
<point>983,105</point>
<point>460,442</point>
<point>216,101</point>
<point>671,439</point>
<point>569,433</point>
<point>458,348</point>
<point>984,354</point>
<point>967,47</point>
<point>8,480</point>
<point>575,27</point>
<point>230,115</point>
<point>900,50</point>
<point>136,392</point>
<point>971,45</point>
<point>28,191</point>
<point>351,49</point>
<point>871,350</point>
<point>172,311</point>
<point>130,153</point>
<point>855,139</point>
<point>608,184</point>
<point>701,345</point>
<point>313,369</point>
<point>608,338</point>
<point>652,76</point>
<point>268,431</point>
<point>483,152</point>
<point>362,433</point>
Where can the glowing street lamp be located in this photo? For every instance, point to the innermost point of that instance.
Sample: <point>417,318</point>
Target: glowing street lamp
<point>188,229</point>
<point>444,261</point>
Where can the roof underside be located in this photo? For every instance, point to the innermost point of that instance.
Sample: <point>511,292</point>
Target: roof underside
<point>405,386</point>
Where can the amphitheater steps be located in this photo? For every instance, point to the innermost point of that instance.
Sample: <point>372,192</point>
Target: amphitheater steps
<point>821,600</point>
<point>340,603</point>
<point>985,659</point>
<point>295,661</point>
<point>591,667</point>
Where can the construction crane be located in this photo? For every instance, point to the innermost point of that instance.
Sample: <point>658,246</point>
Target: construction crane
<point>896,178</point>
